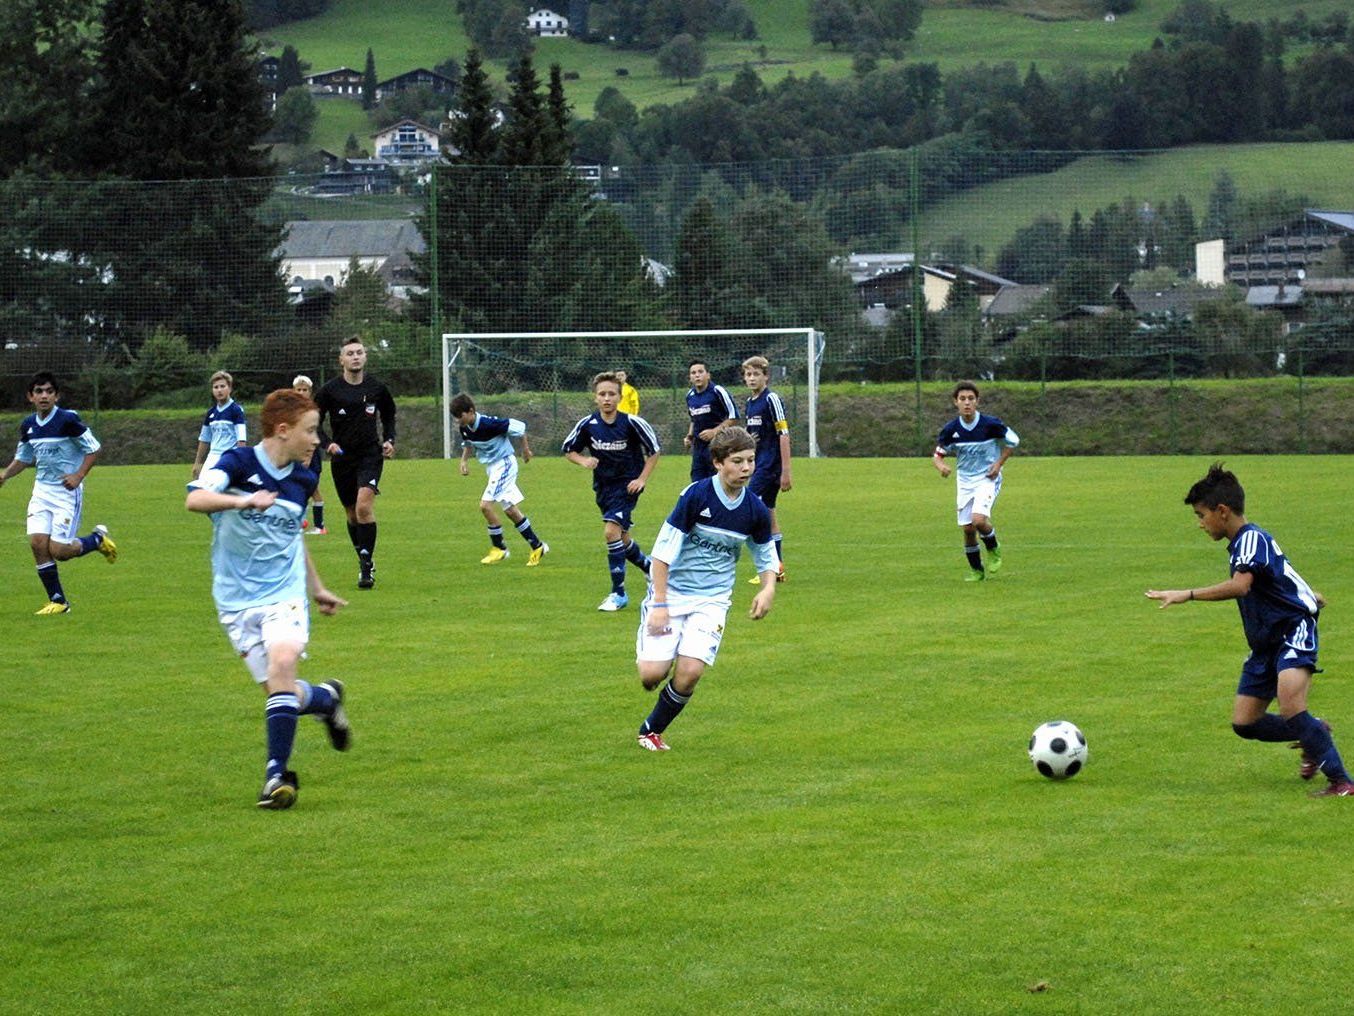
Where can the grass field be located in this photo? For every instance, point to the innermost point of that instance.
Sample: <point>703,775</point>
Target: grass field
<point>846,823</point>
<point>990,215</point>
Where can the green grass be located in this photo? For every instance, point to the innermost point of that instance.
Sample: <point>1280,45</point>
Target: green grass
<point>990,215</point>
<point>847,822</point>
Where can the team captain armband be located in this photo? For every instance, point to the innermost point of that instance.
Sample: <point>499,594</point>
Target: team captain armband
<point>782,426</point>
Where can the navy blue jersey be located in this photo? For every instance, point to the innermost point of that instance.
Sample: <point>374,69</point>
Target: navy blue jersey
<point>620,447</point>
<point>976,445</point>
<point>708,409</point>
<point>702,538</point>
<point>223,427</point>
<point>764,417</point>
<point>1279,598</point>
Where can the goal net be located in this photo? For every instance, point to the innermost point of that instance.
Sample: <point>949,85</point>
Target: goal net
<point>544,377</point>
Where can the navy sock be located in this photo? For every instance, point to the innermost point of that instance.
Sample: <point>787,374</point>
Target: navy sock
<point>528,534</point>
<point>989,540</point>
<point>318,511</point>
<point>279,717</point>
<point>665,710</point>
<point>780,553</point>
<point>51,582</point>
<point>90,543</point>
<point>1269,727</point>
<point>615,562</point>
<point>1317,744</point>
<point>496,537</point>
<point>313,698</point>
<point>637,557</point>
<point>975,557</point>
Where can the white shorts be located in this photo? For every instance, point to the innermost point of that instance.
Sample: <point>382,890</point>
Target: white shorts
<point>211,460</point>
<point>976,497</point>
<point>55,511</point>
<point>256,629</point>
<point>695,629</point>
<point>501,485</point>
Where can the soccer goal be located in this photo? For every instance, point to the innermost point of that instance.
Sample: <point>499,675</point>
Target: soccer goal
<point>543,377</point>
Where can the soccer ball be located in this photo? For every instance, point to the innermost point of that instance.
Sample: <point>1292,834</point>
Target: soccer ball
<point>1058,749</point>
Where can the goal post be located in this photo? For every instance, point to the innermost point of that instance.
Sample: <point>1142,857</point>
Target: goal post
<point>544,377</point>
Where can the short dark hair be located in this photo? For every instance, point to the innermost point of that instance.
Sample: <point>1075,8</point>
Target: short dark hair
<point>43,377</point>
<point>462,403</point>
<point>1218,487</point>
<point>965,386</point>
<point>350,340</point>
<point>730,440</point>
<point>698,360</point>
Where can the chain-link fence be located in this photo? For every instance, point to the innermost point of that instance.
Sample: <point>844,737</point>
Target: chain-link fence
<point>936,262</point>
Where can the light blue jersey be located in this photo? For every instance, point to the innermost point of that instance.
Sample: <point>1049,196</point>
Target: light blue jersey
<point>491,436</point>
<point>223,427</point>
<point>703,537</point>
<point>55,445</point>
<point>975,445</point>
<point>257,556</point>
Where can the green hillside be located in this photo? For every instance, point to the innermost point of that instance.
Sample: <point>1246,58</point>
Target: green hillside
<point>990,215</point>
<point>404,34</point>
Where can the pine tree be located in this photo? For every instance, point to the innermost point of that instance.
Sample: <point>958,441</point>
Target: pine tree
<point>369,81</point>
<point>289,70</point>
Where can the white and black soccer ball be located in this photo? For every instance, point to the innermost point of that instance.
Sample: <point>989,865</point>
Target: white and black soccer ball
<point>1058,749</point>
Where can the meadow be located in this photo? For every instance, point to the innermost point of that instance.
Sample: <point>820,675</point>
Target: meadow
<point>847,821</point>
<point>990,215</point>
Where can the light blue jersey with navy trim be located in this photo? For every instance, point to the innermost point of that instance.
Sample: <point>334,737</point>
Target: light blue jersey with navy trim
<point>223,427</point>
<point>55,446</point>
<point>491,436</point>
<point>1279,598</point>
<point>703,537</point>
<point>257,556</point>
<point>975,445</point>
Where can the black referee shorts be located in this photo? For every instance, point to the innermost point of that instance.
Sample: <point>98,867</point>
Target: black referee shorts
<point>353,472</point>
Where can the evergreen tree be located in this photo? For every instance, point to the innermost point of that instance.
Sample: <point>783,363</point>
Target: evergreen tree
<point>831,21</point>
<point>558,148</point>
<point>474,130</point>
<point>701,288</point>
<point>369,81</point>
<point>1220,219</point>
<point>177,100</point>
<point>289,74</point>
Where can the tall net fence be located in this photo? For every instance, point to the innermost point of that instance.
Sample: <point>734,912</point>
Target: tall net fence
<point>919,265</point>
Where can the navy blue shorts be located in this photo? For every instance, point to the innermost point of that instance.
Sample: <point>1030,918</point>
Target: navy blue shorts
<point>766,487</point>
<point>616,503</point>
<point>701,466</point>
<point>1260,672</point>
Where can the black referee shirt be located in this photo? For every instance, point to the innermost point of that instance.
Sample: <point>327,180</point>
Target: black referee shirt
<point>352,411</point>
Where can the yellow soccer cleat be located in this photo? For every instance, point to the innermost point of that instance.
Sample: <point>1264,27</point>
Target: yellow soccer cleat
<point>537,554</point>
<point>54,608</point>
<point>495,555</point>
<point>107,547</point>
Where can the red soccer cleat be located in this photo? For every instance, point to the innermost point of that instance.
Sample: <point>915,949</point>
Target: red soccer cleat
<point>1309,766</point>
<point>1342,789</point>
<point>653,742</point>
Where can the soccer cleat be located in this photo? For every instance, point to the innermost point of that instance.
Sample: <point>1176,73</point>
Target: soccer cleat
<point>614,602</point>
<point>974,575</point>
<point>1342,789</point>
<point>107,547</point>
<point>336,722</point>
<point>653,742</point>
<point>756,580</point>
<point>54,608</point>
<point>537,554</point>
<point>495,555</point>
<point>1309,766</point>
<point>366,577</point>
<point>780,573</point>
<point>316,531</point>
<point>994,560</point>
<point>279,792</point>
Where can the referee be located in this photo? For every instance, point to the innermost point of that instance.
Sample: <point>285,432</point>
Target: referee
<point>357,449</point>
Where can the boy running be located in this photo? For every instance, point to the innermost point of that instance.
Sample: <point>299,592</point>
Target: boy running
<point>691,579</point>
<point>1278,614</point>
<point>981,444</point>
<point>301,383</point>
<point>57,442</point>
<point>256,498</point>
<point>621,451</point>
<point>491,438</point>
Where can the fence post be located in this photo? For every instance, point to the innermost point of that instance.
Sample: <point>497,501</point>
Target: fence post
<point>914,211</point>
<point>1174,425</point>
<point>435,297</point>
<point>1302,412</point>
